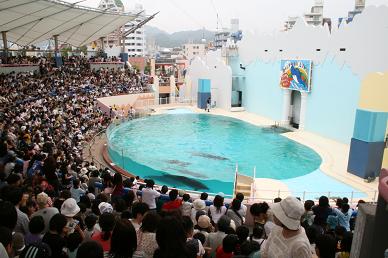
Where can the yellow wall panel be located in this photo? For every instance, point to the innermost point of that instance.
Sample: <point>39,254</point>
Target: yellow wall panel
<point>385,159</point>
<point>374,92</point>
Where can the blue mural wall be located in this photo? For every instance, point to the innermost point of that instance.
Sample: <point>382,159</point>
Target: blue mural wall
<point>332,103</point>
<point>238,80</point>
<point>262,94</point>
<point>234,63</point>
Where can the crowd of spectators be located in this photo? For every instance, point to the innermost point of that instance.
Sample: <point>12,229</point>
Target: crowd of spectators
<point>23,60</point>
<point>34,60</point>
<point>56,204</point>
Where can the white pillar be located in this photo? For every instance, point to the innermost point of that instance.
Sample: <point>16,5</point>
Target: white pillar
<point>286,107</point>
<point>156,90</point>
<point>172,89</point>
<point>152,63</point>
<point>187,88</point>
<point>303,108</point>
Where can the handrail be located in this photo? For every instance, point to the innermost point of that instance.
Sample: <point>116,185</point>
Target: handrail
<point>99,133</point>
<point>332,200</point>
<point>92,141</point>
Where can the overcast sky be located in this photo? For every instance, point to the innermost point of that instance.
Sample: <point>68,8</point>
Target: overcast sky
<point>262,15</point>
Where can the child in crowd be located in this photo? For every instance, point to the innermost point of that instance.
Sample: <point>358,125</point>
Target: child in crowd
<point>194,245</point>
<point>308,216</point>
<point>186,205</point>
<point>76,191</point>
<point>242,233</point>
<point>36,227</point>
<point>90,222</point>
<point>73,242</point>
<point>325,246</point>
<point>345,246</point>
<point>228,247</point>
<point>258,235</point>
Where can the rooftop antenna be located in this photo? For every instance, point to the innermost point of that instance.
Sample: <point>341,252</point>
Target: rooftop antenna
<point>215,10</point>
<point>217,21</point>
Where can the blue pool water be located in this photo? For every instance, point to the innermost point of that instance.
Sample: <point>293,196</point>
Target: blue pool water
<point>200,151</point>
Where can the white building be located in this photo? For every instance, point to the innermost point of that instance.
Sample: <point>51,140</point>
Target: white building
<point>192,50</point>
<point>360,5</point>
<point>135,43</point>
<point>111,5</point>
<point>114,37</point>
<point>234,25</point>
<point>222,36</point>
<point>315,16</point>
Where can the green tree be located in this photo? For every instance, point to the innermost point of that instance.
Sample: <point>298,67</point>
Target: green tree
<point>65,51</point>
<point>84,49</point>
<point>119,3</point>
<point>147,68</point>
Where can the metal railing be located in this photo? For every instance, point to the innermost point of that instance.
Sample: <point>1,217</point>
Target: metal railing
<point>91,143</point>
<point>151,104</point>
<point>303,195</point>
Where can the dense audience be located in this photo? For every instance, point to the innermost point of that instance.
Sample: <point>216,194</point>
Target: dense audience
<point>34,60</point>
<point>50,205</point>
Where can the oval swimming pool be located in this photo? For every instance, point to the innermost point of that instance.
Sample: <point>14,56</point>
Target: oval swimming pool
<point>200,151</point>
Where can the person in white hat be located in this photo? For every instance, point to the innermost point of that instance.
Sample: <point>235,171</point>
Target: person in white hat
<point>45,210</point>
<point>105,207</point>
<point>204,226</point>
<point>288,239</point>
<point>70,208</point>
<point>198,205</point>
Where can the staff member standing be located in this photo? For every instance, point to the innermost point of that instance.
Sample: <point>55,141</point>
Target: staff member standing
<point>149,194</point>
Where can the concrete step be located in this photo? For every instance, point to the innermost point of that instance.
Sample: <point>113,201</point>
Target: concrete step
<point>243,190</point>
<point>248,188</point>
<point>237,109</point>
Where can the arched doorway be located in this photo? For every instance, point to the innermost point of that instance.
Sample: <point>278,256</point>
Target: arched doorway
<point>295,108</point>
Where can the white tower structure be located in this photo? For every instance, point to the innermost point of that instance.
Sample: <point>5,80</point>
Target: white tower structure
<point>315,16</point>
<point>135,43</point>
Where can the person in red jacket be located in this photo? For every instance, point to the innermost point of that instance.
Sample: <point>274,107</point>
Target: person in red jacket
<point>174,203</point>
